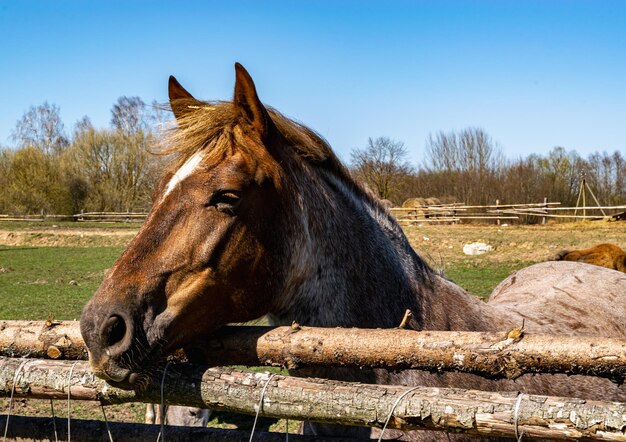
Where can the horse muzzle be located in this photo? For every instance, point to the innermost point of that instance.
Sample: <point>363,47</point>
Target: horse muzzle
<point>108,334</point>
<point>114,374</point>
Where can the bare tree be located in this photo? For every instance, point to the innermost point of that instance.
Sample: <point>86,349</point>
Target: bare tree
<point>469,150</point>
<point>620,177</point>
<point>560,170</point>
<point>130,115</point>
<point>34,182</point>
<point>442,152</point>
<point>380,165</point>
<point>5,169</point>
<point>606,173</point>
<point>467,163</point>
<point>41,127</point>
<point>118,168</point>
<point>81,126</point>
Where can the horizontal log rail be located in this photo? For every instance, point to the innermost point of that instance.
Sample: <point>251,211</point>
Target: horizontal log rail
<point>473,412</point>
<point>532,209</point>
<point>144,214</point>
<point>461,212</point>
<point>42,339</point>
<point>458,217</point>
<point>85,216</point>
<point>428,220</point>
<point>466,207</point>
<point>489,354</point>
<point>554,209</point>
<point>551,215</point>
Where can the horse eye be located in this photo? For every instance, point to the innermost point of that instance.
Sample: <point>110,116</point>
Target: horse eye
<point>226,200</point>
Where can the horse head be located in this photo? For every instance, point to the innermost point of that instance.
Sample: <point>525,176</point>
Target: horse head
<point>212,248</point>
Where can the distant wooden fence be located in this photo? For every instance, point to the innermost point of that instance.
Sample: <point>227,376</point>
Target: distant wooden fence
<point>103,217</point>
<point>497,213</point>
<point>457,213</point>
<point>127,217</point>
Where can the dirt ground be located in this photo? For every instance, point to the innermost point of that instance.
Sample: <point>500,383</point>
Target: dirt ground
<point>533,243</point>
<point>64,237</point>
<point>435,242</point>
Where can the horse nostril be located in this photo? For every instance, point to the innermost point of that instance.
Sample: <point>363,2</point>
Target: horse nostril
<point>114,330</point>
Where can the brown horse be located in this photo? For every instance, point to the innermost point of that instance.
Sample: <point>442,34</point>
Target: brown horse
<point>258,216</point>
<point>603,255</point>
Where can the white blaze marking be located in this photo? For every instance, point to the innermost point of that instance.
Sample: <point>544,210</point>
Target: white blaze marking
<point>184,171</point>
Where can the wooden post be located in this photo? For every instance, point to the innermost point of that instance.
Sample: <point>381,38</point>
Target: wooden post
<point>584,186</point>
<point>497,213</point>
<point>545,209</point>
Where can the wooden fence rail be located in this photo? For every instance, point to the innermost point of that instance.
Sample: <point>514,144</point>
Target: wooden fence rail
<point>473,412</point>
<point>86,216</point>
<point>488,354</point>
<point>478,413</point>
<point>454,213</point>
<point>443,213</point>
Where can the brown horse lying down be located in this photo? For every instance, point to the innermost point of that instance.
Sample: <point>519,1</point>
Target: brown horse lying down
<point>603,255</point>
<point>258,216</point>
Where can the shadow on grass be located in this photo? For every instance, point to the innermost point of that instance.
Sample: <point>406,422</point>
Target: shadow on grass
<point>225,419</point>
<point>12,249</point>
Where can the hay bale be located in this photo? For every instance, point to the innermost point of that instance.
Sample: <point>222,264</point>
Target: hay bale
<point>432,201</point>
<point>413,203</point>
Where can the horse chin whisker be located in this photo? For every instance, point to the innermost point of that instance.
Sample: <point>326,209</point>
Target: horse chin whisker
<point>143,381</point>
<point>143,360</point>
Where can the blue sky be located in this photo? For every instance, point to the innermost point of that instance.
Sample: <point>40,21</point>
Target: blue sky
<point>533,74</point>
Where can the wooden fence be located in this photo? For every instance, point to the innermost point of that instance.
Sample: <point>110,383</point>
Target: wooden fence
<point>103,217</point>
<point>503,213</point>
<point>476,413</point>
<point>128,217</point>
<point>445,213</point>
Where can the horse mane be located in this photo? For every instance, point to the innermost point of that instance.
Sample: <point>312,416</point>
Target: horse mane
<point>212,123</point>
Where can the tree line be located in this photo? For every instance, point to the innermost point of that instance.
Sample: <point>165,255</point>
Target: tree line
<point>467,166</point>
<point>110,169</point>
<point>114,169</point>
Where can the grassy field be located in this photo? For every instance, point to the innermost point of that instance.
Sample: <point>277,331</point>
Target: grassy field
<point>36,282</point>
<point>39,281</point>
<point>52,269</point>
<point>514,247</point>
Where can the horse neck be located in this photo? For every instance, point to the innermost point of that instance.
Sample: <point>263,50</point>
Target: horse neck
<point>352,266</point>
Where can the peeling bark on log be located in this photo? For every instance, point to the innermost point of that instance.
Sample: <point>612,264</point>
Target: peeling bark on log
<point>42,339</point>
<point>490,355</point>
<point>40,429</point>
<point>473,412</point>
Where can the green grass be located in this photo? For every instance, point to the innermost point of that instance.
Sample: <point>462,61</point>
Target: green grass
<point>36,282</point>
<point>480,278</point>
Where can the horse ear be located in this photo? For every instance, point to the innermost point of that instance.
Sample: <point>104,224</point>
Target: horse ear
<point>249,104</point>
<point>181,101</point>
